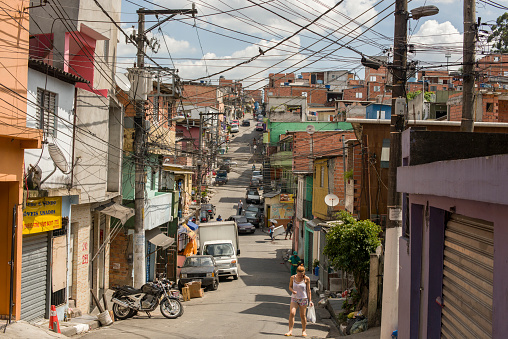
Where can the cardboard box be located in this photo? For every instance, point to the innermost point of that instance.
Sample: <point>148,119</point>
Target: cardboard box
<point>195,289</point>
<point>185,293</point>
<point>198,293</point>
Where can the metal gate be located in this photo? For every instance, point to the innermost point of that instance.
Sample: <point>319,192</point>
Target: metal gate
<point>467,278</point>
<point>34,272</point>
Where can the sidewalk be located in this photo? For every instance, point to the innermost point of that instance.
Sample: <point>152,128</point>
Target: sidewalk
<point>326,314</point>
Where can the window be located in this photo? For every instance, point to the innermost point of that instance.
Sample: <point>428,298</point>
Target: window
<point>333,76</point>
<point>46,111</point>
<point>433,88</point>
<point>322,176</point>
<point>106,51</point>
<point>377,88</point>
<point>152,180</point>
<point>372,78</point>
<point>490,107</point>
<point>359,95</point>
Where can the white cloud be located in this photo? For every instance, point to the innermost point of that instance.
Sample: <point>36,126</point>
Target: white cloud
<point>433,40</point>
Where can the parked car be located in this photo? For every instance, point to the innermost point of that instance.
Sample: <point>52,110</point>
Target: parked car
<point>256,183</point>
<point>252,196</point>
<point>259,126</point>
<point>244,226</point>
<point>235,122</point>
<point>210,209</point>
<point>225,166</point>
<point>254,217</point>
<point>257,175</point>
<point>235,129</point>
<point>260,117</point>
<point>203,216</point>
<point>199,268</point>
<point>221,177</point>
<point>256,208</point>
<point>245,123</point>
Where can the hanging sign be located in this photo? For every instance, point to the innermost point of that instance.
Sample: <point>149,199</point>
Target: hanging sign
<point>42,215</point>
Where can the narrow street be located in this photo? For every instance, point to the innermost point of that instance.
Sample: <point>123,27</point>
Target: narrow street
<point>256,305</point>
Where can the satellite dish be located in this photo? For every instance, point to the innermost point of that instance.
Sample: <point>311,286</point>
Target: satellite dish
<point>123,82</point>
<point>331,200</point>
<point>310,129</point>
<point>58,157</point>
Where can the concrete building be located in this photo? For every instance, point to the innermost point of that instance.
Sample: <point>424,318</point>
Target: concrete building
<point>453,279</point>
<point>84,43</point>
<point>15,138</point>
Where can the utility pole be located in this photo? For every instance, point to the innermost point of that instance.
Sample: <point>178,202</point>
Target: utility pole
<point>140,142</point>
<point>199,162</point>
<point>389,316</point>
<point>467,124</point>
<point>139,158</point>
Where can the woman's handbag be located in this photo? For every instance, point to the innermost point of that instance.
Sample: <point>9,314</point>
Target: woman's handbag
<point>311,314</point>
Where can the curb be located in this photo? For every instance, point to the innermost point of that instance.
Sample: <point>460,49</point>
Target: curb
<point>78,326</point>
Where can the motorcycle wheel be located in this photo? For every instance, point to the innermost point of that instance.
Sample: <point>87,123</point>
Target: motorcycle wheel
<point>121,312</point>
<point>171,308</point>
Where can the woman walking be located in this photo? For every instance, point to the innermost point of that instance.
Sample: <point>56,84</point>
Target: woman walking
<point>299,286</point>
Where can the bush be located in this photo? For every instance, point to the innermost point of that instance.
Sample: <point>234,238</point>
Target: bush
<point>349,244</point>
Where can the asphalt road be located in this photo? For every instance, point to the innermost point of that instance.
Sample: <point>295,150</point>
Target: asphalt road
<point>254,306</point>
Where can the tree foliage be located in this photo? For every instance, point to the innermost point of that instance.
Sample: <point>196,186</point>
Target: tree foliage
<point>348,247</point>
<point>412,95</point>
<point>499,35</point>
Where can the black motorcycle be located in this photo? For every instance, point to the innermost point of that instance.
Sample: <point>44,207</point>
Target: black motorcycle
<point>127,300</point>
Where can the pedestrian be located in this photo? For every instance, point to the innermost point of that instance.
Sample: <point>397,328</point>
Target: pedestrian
<point>289,230</point>
<point>219,218</point>
<point>295,261</point>
<point>272,228</point>
<point>240,207</point>
<point>299,286</point>
<point>253,167</point>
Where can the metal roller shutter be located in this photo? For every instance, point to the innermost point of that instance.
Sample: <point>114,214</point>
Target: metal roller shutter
<point>34,265</point>
<point>467,278</point>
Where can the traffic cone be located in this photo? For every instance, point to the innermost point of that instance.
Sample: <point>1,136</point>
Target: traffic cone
<point>54,325</point>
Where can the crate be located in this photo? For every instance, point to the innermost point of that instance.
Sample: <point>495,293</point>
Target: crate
<point>198,293</point>
<point>185,293</point>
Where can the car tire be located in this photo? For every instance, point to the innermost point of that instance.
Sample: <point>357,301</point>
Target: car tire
<point>235,277</point>
<point>215,285</point>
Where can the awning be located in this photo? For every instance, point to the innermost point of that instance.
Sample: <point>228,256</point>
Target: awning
<point>116,210</point>
<point>156,237</point>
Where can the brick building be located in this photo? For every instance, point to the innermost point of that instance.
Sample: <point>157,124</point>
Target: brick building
<point>493,71</point>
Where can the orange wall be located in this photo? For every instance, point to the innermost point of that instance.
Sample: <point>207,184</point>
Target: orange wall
<point>14,138</point>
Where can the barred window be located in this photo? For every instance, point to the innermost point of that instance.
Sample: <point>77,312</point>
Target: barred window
<point>46,111</point>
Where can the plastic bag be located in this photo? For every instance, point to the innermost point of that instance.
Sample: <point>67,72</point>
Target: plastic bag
<point>311,314</point>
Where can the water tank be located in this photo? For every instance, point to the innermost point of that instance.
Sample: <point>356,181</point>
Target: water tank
<point>327,86</point>
<point>300,76</point>
<point>286,84</point>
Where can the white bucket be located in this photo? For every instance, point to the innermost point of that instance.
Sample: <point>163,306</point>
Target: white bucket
<point>105,318</point>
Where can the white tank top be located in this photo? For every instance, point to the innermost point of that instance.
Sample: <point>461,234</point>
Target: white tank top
<point>300,288</point>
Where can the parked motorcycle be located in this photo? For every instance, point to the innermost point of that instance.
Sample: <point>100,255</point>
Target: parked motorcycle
<point>127,300</point>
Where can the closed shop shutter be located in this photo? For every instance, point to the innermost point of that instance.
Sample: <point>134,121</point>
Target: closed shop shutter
<point>467,278</point>
<point>34,265</point>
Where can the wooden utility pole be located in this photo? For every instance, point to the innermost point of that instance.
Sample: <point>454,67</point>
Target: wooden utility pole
<point>467,123</point>
<point>389,317</point>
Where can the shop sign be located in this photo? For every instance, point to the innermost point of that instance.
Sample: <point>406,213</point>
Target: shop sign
<point>286,198</point>
<point>42,215</point>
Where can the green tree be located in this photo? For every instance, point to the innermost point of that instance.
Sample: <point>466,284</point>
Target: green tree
<point>499,35</point>
<point>349,244</point>
<point>411,95</point>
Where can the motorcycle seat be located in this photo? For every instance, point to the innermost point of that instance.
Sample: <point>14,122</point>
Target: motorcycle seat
<point>130,289</point>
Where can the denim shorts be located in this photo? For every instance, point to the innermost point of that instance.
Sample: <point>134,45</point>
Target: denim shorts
<point>301,302</point>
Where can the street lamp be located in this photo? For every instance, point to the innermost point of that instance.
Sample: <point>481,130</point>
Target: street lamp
<point>178,118</point>
<point>389,316</point>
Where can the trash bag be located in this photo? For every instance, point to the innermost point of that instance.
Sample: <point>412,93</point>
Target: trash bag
<point>359,326</point>
<point>311,314</point>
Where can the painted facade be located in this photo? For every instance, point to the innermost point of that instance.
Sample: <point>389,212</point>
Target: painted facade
<point>15,138</point>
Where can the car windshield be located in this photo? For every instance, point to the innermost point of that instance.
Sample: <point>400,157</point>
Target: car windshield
<point>252,208</point>
<point>250,214</point>
<point>218,250</point>
<point>254,173</point>
<point>197,262</point>
<point>252,193</point>
<point>241,220</point>
<point>203,213</point>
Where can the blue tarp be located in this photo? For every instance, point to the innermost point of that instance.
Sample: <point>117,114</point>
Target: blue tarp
<point>192,225</point>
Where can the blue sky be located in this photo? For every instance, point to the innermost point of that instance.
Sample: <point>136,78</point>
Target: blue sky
<point>226,33</point>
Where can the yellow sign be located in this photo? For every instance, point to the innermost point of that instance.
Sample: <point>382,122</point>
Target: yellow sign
<point>42,215</point>
<point>286,198</point>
